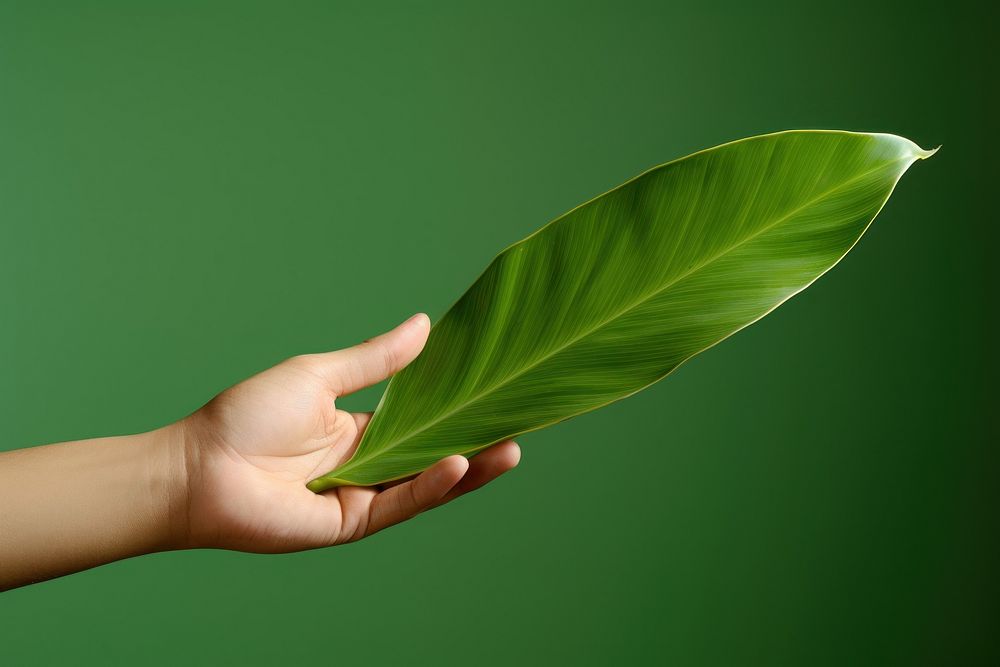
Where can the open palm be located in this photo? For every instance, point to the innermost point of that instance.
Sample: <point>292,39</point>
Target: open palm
<point>251,450</point>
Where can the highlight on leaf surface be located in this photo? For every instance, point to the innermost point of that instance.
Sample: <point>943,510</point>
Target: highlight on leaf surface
<point>617,293</point>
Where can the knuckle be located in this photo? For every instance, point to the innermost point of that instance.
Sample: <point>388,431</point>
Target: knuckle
<point>384,354</point>
<point>414,497</point>
<point>361,528</point>
<point>303,361</point>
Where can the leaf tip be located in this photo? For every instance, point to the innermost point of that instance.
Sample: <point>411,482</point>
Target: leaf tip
<point>924,154</point>
<point>318,484</point>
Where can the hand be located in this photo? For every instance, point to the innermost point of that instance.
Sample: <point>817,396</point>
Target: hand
<point>251,450</point>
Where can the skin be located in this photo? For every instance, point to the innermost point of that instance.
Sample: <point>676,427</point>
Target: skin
<point>230,476</point>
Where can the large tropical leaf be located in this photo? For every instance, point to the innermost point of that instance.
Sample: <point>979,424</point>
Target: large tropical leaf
<point>620,291</point>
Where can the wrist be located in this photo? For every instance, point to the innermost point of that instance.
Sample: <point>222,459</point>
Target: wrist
<point>168,478</point>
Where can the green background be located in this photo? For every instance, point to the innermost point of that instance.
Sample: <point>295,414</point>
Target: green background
<point>192,192</point>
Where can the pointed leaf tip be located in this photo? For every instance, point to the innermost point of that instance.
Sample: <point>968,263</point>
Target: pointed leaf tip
<point>923,154</point>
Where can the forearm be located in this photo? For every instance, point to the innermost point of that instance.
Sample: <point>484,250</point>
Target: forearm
<point>76,505</point>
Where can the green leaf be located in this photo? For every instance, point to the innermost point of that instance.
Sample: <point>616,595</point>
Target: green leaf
<point>620,291</point>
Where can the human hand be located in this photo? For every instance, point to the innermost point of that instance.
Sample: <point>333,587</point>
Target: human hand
<point>251,450</point>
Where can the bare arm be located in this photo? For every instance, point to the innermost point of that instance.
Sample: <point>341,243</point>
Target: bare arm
<point>72,506</point>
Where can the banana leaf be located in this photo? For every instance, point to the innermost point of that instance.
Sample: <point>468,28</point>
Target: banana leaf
<point>617,293</point>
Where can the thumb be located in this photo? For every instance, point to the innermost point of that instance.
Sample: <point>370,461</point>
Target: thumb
<point>374,360</point>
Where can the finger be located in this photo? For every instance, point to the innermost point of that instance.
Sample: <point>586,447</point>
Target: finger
<point>361,420</point>
<point>484,468</point>
<point>355,506</point>
<point>357,367</point>
<point>406,500</point>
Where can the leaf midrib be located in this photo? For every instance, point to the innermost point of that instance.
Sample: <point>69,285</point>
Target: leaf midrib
<point>763,230</point>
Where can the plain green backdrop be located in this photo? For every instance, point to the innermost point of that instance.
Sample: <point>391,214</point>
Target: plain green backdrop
<point>191,192</point>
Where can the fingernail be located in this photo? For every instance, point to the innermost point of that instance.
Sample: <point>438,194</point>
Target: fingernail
<point>416,318</point>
